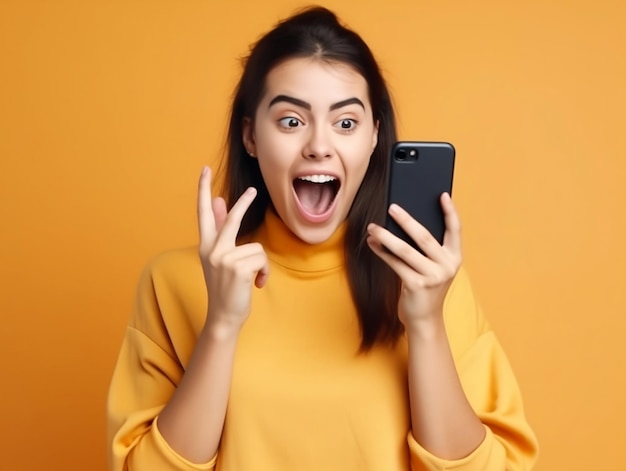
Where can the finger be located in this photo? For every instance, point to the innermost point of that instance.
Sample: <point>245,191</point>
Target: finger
<point>418,233</point>
<point>404,271</point>
<point>262,276</point>
<point>250,260</point>
<point>396,248</point>
<point>206,220</point>
<point>232,223</point>
<point>219,212</point>
<point>452,236</point>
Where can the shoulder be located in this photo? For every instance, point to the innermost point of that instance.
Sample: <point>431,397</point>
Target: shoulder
<point>173,262</point>
<point>173,271</point>
<point>176,273</point>
<point>171,296</point>
<point>464,319</point>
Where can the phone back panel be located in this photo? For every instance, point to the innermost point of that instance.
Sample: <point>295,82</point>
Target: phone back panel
<point>416,184</point>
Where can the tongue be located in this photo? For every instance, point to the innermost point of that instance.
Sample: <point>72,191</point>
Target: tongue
<point>315,198</point>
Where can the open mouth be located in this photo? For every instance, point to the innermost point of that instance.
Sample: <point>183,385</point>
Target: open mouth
<point>316,193</point>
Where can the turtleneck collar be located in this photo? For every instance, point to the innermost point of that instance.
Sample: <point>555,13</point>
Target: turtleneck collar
<point>285,248</point>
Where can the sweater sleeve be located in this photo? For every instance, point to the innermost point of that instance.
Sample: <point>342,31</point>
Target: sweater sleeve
<point>147,372</point>
<point>491,389</point>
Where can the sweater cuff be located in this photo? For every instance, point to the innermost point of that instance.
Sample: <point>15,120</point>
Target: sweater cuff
<point>168,455</point>
<point>489,454</point>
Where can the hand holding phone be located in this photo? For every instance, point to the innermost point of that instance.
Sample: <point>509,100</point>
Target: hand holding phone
<point>419,172</point>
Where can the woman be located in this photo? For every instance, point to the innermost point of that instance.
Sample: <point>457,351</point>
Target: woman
<point>345,356</point>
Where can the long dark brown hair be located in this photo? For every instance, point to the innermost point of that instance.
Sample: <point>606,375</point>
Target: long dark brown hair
<point>316,32</point>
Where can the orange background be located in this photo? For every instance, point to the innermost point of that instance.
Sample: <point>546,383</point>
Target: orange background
<point>108,110</point>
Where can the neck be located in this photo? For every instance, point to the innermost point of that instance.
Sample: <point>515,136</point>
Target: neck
<point>284,247</point>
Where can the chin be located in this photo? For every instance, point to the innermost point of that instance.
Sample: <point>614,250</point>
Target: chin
<point>315,235</point>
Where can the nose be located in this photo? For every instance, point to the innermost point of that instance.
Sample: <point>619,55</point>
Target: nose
<point>319,143</point>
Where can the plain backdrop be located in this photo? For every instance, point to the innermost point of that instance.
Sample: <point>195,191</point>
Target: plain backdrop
<point>109,109</point>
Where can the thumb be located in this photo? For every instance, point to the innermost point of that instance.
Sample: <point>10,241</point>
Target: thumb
<point>262,276</point>
<point>219,212</point>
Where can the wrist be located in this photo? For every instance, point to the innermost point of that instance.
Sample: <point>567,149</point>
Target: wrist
<point>220,331</point>
<point>426,329</point>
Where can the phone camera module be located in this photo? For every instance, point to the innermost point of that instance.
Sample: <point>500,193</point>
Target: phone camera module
<point>401,154</point>
<point>405,154</point>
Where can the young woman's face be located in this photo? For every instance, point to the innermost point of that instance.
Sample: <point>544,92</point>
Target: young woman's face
<point>313,134</point>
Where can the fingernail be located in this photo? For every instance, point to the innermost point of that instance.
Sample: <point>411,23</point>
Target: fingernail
<point>394,208</point>
<point>205,170</point>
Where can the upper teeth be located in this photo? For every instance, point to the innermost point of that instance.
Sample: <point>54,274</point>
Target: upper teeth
<point>318,178</point>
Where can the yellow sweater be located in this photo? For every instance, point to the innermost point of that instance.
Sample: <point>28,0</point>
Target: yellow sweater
<point>302,397</point>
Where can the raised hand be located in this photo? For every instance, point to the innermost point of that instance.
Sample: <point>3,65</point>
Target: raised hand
<point>425,278</point>
<point>230,270</point>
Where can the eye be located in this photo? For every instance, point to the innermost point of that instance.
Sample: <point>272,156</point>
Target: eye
<point>290,122</point>
<point>346,124</point>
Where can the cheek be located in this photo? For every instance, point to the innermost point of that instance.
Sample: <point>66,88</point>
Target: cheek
<point>360,158</point>
<point>357,170</point>
<point>275,146</point>
<point>274,162</point>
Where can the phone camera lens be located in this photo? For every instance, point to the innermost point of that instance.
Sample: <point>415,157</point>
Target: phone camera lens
<point>401,154</point>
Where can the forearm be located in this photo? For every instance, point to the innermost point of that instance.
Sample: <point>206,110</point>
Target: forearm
<point>443,421</point>
<point>193,420</point>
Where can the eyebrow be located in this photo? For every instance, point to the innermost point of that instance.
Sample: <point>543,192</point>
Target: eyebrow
<point>307,106</point>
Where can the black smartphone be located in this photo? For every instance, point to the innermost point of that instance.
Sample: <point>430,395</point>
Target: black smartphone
<point>419,172</point>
